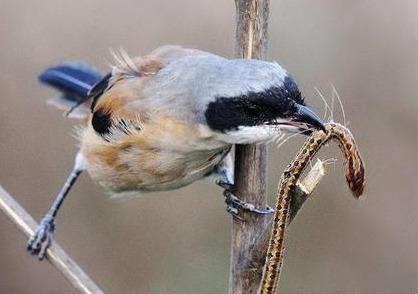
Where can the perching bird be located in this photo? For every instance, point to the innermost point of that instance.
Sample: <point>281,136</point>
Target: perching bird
<point>165,120</point>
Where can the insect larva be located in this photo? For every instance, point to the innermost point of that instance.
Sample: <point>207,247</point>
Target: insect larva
<point>354,173</point>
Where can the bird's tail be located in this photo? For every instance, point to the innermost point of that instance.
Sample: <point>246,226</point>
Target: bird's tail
<point>74,81</point>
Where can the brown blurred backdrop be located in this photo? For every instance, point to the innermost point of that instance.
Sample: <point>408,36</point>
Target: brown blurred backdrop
<point>178,242</point>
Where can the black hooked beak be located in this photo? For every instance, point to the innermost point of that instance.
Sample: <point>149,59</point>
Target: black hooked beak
<point>307,116</point>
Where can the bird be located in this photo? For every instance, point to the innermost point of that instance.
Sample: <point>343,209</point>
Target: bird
<point>167,119</point>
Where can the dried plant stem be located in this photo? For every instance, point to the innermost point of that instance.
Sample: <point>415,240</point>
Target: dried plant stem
<point>250,237</point>
<point>55,254</point>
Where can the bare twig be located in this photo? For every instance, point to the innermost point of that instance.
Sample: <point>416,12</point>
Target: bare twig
<point>249,237</point>
<point>55,254</point>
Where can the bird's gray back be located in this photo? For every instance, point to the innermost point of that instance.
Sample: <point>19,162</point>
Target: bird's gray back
<point>185,86</point>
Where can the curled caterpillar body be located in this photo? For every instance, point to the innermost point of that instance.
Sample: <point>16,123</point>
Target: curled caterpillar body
<point>354,166</point>
<point>355,176</point>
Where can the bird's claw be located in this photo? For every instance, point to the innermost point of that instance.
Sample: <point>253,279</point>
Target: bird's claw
<point>233,203</point>
<point>42,237</point>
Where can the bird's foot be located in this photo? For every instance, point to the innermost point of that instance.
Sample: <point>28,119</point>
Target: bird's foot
<point>233,203</point>
<point>42,237</point>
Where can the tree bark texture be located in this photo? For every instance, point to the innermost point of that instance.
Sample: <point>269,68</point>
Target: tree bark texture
<point>250,236</point>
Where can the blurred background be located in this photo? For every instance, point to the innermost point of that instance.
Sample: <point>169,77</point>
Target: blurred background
<point>178,241</point>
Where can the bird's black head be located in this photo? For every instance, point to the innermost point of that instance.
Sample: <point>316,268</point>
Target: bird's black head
<point>277,107</point>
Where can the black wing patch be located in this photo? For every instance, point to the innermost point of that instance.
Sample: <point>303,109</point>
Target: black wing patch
<point>101,122</point>
<point>98,89</point>
<point>104,125</point>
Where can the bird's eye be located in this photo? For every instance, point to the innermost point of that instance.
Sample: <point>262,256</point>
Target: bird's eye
<point>253,111</point>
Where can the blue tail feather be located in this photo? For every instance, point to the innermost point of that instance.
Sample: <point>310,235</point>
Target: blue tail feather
<point>74,80</point>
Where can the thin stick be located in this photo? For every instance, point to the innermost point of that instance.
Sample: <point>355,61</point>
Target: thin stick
<point>55,254</point>
<point>250,237</point>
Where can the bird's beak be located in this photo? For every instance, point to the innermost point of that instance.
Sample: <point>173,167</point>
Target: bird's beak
<point>307,116</point>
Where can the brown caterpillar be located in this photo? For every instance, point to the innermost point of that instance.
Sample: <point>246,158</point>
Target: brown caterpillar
<point>354,175</point>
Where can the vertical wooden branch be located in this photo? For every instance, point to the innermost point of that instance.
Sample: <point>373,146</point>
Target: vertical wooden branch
<point>250,237</point>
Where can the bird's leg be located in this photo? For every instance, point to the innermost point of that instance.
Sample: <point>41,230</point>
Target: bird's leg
<point>42,237</point>
<point>233,203</point>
